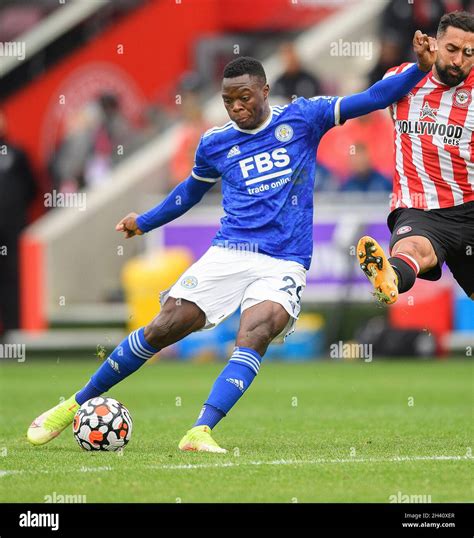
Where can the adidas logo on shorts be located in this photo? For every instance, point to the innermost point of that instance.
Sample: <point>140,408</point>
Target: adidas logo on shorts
<point>237,382</point>
<point>234,151</point>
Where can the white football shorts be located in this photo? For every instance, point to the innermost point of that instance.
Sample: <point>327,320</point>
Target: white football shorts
<point>225,278</point>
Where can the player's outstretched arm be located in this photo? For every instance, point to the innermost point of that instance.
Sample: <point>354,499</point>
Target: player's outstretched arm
<point>385,92</point>
<point>187,194</point>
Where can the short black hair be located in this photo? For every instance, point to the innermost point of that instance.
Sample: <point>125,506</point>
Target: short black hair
<point>458,19</point>
<point>245,65</point>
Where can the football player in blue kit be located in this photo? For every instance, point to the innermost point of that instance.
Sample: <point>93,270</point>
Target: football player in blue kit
<point>265,157</point>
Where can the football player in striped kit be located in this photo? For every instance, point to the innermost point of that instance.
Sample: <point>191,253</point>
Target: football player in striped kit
<point>432,205</point>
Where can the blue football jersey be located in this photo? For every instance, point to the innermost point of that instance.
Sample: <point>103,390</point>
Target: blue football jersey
<point>268,177</point>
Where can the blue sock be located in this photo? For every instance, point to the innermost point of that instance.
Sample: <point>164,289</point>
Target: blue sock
<point>233,381</point>
<point>125,359</point>
<point>209,416</point>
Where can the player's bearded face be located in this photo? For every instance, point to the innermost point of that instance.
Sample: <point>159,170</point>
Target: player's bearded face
<point>449,74</point>
<point>455,56</point>
<point>245,99</point>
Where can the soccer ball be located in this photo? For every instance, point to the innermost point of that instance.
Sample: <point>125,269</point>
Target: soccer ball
<point>102,424</point>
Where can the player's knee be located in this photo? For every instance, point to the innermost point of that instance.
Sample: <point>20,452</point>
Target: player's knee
<point>258,337</point>
<point>157,332</point>
<point>176,320</point>
<point>160,329</point>
<point>411,248</point>
<point>264,333</point>
<point>254,336</point>
<point>422,252</point>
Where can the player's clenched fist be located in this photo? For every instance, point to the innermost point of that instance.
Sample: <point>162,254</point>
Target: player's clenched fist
<point>129,225</point>
<point>425,48</point>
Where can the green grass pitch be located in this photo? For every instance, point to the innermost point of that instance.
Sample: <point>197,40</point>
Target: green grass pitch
<point>308,432</point>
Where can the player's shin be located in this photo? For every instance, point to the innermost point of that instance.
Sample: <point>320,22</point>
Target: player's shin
<point>127,357</point>
<point>406,269</point>
<point>229,387</point>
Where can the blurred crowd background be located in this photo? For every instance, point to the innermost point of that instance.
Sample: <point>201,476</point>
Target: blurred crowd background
<point>85,150</point>
<point>85,99</point>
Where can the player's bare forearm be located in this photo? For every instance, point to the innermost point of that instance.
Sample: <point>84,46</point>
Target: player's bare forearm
<point>186,195</point>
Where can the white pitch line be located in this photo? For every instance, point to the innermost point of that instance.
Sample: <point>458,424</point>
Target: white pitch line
<point>321,461</point>
<point>6,473</point>
<point>94,469</point>
<point>52,471</point>
<point>223,464</point>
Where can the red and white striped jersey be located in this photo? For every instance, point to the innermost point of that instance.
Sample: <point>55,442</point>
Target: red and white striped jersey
<point>434,151</point>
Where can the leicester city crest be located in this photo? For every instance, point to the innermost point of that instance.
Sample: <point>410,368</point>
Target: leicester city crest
<point>284,132</point>
<point>189,282</point>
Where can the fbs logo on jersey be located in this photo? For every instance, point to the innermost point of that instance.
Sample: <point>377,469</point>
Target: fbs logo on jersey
<point>234,151</point>
<point>189,282</point>
<point>284,132</point>
<point>264,162</point>
<point>237,382</point>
